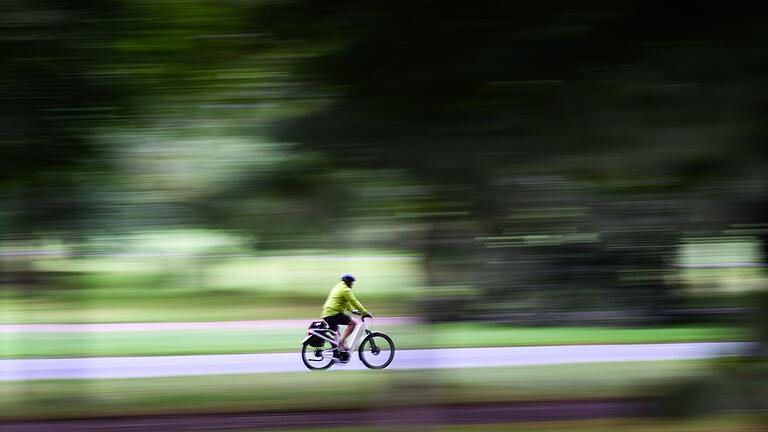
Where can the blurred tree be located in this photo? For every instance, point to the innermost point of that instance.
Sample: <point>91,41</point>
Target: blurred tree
<point>563,148</point>
<point>651,108</point>
<point>49,97</point>
<point>69,72</point>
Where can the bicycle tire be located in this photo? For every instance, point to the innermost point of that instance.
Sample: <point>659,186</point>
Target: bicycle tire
<point>362,351</point>
<point>307,347</point>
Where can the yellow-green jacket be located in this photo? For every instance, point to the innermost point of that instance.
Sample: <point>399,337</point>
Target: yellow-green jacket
<point>341,299</point>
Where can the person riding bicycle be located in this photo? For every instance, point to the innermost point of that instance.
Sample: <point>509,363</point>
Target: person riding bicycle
<point>339,300</point>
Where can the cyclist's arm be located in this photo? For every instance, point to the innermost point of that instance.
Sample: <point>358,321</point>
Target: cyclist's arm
<point>354,302</point>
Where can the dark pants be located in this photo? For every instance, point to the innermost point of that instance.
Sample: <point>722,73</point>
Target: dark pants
<point>335,320</point>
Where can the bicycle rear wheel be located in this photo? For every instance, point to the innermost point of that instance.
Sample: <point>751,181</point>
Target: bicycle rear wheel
<point>377,351</point>
<point>317,358</point>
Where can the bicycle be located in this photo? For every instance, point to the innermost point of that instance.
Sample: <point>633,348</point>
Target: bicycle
<point>320,349</point>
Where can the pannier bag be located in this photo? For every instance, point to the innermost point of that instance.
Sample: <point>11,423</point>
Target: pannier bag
<point>318,327</point>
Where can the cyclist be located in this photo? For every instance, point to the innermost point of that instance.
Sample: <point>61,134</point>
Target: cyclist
<point>339,300</point>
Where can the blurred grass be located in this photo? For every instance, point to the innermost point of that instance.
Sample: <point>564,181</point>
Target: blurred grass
<point>383,273</point>
<point>205,276</point>
<point>172,288</point>
<point>336,389</point>
<point>161,308</point>
<point>230,341</point>
<point>712,423</point>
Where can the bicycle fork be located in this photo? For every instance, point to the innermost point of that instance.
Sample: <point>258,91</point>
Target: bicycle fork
<point>374,349</point>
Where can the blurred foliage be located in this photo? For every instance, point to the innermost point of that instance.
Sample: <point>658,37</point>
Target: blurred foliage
<point>541,157</point>
<point>544,158</point>
<point>569,147</point>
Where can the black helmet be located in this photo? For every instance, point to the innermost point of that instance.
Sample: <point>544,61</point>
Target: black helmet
<point>347,278</point>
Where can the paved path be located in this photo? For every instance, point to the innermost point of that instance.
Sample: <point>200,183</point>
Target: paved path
<point>164,366</point>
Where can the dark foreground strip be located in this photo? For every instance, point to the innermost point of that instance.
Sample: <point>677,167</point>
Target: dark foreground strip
<point>527,411</point>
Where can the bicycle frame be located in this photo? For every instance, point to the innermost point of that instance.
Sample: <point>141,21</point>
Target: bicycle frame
<point>361,330</point>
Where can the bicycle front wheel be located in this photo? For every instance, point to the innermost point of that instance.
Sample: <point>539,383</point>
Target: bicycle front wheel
<point>377,351</point>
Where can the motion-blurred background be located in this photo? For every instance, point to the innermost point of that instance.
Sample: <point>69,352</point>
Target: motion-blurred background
<point>494,173</point>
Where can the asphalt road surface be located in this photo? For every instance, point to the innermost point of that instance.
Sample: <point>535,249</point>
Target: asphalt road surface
<point>165,366</point>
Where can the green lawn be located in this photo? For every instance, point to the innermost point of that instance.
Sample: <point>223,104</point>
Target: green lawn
<point>126,289</point>
<point>228,281</point>
<point>284,276</point>
<point>337,388</point>
<point>30,344</point>
<point>161,308</point>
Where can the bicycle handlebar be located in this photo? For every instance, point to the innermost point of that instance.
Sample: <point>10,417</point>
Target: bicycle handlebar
<point>363,316</point>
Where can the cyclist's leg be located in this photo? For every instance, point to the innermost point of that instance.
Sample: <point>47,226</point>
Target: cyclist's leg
<point>342,319</point>
<point>351,324</point>
<point>333,324</point>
